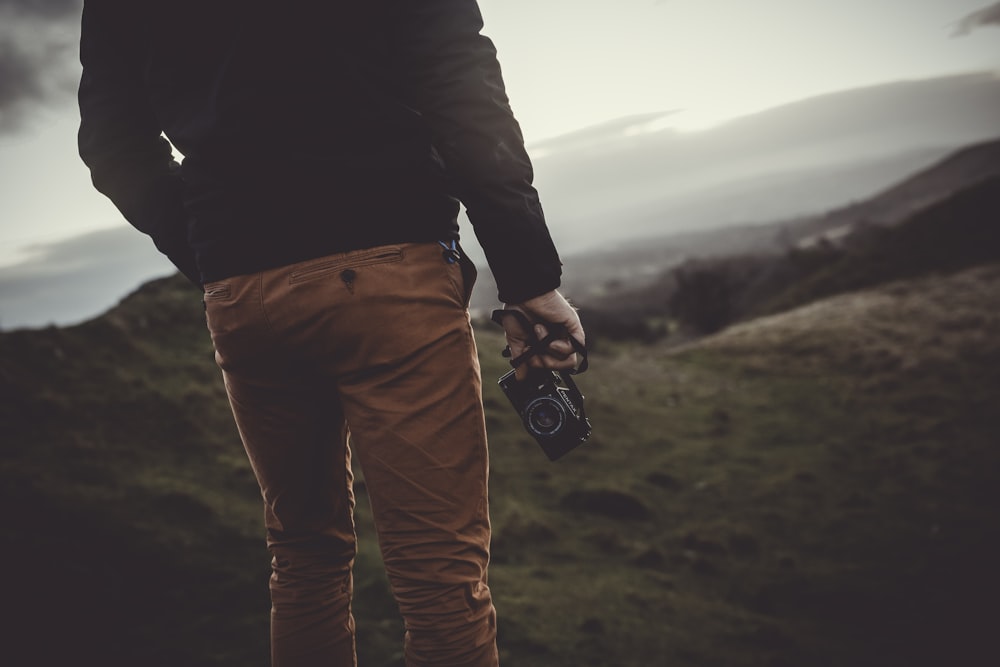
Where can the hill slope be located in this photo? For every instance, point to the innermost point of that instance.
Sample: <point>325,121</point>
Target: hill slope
<point>815,488</point>
<point>602,277</point>
<point>943,219</point>
<point>961,170</point>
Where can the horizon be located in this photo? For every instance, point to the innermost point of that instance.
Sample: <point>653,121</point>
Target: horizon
<point>68,280</point>
<point>682,66</point>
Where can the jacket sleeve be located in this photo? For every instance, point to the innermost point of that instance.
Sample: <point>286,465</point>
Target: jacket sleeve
<point>450,75</point>
<point>120,139</point>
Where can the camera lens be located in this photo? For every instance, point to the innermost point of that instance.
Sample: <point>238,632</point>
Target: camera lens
<point>545,416</point>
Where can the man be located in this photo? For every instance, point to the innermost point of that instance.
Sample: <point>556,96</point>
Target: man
<point>325,147</point>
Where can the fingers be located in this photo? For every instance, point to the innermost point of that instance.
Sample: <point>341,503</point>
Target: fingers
<point>555,351</point>
<point>551,308</point>
<point>560,355</point>
<point>544,361</point>
<point>559,349</point>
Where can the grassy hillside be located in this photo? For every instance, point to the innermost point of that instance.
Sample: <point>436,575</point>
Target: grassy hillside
<point>960,231</point>
<point>943,217</point>
<point>815,488</point>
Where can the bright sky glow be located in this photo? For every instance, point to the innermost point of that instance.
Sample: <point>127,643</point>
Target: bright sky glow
<point>570,64</point>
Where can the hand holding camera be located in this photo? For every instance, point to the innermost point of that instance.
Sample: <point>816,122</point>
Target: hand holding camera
<point>550,308</point>
<point>544,357</point>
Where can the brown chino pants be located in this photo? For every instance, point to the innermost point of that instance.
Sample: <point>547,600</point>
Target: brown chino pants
<point>372,346</point>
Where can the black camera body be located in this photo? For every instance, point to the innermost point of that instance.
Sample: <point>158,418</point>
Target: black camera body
<point>551,408</point>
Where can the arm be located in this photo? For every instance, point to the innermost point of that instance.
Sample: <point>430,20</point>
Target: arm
<point>120,139</point>
<point>453,79</point>
<point>450,75</point>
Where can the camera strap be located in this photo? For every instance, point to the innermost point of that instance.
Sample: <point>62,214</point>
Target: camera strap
<point>538,346</point>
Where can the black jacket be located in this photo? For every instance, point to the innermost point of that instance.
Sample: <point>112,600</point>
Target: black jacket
<point>307,128</point>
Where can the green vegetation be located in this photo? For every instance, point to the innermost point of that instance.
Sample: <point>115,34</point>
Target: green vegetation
<point>708,294</point>
<point>813,488</point>
<point>959,232</point>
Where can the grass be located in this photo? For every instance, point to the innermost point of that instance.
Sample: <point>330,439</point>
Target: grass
<point>816,488</point>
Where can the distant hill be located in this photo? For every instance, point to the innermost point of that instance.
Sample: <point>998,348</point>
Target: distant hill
<point>609,276</point>
<point>941,219</point>
<point>960,231</point>
<point>962,169</point>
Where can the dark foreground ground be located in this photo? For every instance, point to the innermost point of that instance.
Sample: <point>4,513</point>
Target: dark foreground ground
<point>815,488</point>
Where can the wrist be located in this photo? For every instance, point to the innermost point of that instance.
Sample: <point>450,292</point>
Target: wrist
<point>535,301</point>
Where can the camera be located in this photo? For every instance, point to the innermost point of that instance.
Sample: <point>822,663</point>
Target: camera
<point>551,407</point>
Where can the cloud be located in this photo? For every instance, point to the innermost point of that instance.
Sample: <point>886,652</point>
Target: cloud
<point>68,281</point>
<point>984,17</point>
<point>38,41</point>
<point>52,9</point>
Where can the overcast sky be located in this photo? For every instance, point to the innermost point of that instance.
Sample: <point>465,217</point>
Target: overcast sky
<point>568,64</point>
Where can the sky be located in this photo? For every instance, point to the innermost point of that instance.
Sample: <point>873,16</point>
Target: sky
<point>573,63</point>
<point>568,64</point>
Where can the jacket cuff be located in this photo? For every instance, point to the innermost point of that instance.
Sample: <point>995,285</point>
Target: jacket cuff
<point>521,285</point>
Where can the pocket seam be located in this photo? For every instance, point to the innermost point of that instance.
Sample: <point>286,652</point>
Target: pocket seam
<point>370,258</point>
